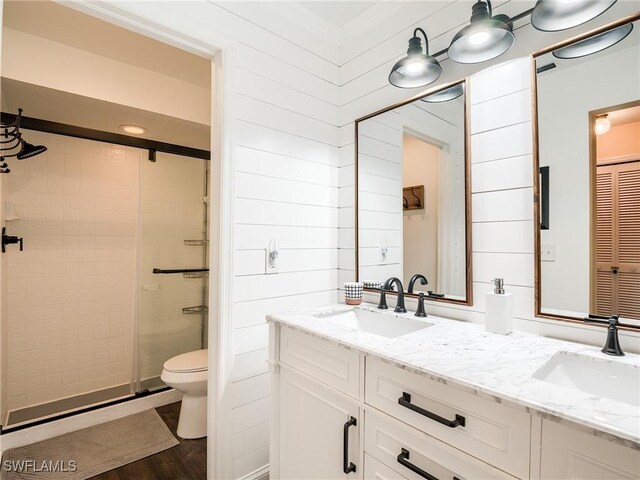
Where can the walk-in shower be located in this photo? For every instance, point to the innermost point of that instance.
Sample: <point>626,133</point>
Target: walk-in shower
<point>112,279</point>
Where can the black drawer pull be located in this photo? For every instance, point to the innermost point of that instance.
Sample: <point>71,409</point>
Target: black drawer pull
<point>347,467</point>
<point>405,401</point>
<point>403,459</point>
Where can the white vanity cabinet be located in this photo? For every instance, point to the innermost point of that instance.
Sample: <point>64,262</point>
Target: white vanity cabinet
<point>314,423</point>
<point>339,413</point>
<point>567,453</point>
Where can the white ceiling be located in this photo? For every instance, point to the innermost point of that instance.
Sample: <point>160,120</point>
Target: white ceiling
<point>626,115</point>
<point>55,22</point>
<point>337,13</point>
<point>68,108</point>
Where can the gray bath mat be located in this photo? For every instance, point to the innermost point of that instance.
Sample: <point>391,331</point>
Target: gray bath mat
<point>90,451</point>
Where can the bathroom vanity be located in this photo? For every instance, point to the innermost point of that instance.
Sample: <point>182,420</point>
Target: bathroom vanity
<point>359,393</point>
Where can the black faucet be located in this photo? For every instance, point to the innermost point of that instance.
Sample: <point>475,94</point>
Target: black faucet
<point>612,345</point>
<point>417,276</point>
<point>400,308</point>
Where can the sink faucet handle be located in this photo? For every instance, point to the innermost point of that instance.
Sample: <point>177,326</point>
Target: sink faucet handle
<point>382,304</point>
<point>612,344</point>
<point>420,312</point>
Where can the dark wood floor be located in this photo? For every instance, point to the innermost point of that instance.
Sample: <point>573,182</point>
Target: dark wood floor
<point>187,461</point>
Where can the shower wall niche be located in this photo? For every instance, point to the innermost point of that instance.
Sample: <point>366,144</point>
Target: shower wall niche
<point>86,320</point>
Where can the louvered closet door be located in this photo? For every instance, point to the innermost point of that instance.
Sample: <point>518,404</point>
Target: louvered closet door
<point>618,240</point>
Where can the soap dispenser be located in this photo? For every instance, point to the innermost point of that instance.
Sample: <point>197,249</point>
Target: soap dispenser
<point>499,309</point>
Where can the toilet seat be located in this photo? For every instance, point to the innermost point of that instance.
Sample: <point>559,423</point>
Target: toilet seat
<point>190,362</point>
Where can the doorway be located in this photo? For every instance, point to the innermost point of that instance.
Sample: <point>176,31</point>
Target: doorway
<point>615,236</point>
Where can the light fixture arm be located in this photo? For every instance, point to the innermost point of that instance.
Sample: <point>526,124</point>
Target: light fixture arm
<point>426,40</point>
<point>490,8</point>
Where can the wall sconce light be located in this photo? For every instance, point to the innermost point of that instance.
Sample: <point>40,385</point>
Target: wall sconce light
<point>603,124</point>
<point>485,38</point>
<point>555,15</point>
<point>445,95</point>
<point>417,69</point>
<point>594,44</point>
<point>488,36</point>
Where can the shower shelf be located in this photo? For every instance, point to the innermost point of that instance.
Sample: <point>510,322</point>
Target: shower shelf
<point>196,243</point>
<point>197,310</point>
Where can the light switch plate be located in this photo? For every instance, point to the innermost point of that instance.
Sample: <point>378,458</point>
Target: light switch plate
<point>548,253</point>
<point>270,268</point>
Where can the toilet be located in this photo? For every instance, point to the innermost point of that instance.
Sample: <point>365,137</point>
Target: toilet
<point>187,373</point>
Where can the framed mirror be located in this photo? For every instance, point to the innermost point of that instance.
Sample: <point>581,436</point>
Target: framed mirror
<point>413,196</point>
<point>588,188</point>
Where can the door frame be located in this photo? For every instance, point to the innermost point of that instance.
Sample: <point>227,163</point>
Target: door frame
<point>222,52</point>
<point>593,172</point>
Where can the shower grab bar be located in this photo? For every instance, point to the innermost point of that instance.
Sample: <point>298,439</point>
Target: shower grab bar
<point>181,270</point>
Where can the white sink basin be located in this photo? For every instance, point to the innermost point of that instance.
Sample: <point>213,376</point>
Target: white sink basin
<point>382,324</point>
<point>615,381</point>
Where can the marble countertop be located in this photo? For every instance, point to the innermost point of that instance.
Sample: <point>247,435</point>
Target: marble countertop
<point>499,367</point>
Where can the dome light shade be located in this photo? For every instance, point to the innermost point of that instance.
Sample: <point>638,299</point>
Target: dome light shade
<point>555,15</point>
<point>485,38</point>
<point>417,69</point>
<point>594,44</point>
<point>28,150</point>
<point>445,95</point>
<point>603,124</point>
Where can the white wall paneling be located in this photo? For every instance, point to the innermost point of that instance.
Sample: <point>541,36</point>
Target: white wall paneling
<point>290,101</point>
<point>280,135</point>
<point>502,188</point>
<point>504,174</point>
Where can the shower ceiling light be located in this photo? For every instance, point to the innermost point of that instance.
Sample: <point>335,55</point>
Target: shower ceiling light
<point>554,15</point>
<point>603,124</point>
<point>133,129</point>
<point>417,69</point>
<point>485,38</point>
<point>444,95</point>
<point>594,44</point>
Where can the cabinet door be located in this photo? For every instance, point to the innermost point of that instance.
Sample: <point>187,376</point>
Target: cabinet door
<point>312,430</point>
<point>568,453</point>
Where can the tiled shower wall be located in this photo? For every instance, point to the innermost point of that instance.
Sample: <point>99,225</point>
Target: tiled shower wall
<point>71,291</point>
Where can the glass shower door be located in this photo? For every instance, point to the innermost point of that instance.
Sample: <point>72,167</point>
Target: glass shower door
<point>172,305</point>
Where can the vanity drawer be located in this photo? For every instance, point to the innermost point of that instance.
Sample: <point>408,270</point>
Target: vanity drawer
<point>323,360</point>
<point>415,455</point>
<point>495,433</point>
<point>376,470</point>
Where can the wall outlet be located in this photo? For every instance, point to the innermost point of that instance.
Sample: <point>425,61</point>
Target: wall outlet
<point>548,253</point>
<point>270,264</point>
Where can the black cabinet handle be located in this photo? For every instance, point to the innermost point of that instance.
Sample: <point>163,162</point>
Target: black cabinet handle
<point>405,401</point>
<point>403,459</point>
<point>347,467</point>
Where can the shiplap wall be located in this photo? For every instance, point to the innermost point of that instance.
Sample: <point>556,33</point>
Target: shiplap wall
<point>380,149</point>
<point>501,148</point>
<point>286,188</point>
<point>502,205</point>
<point>285,121</point>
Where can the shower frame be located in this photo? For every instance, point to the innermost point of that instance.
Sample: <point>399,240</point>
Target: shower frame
<point>152,146</point>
